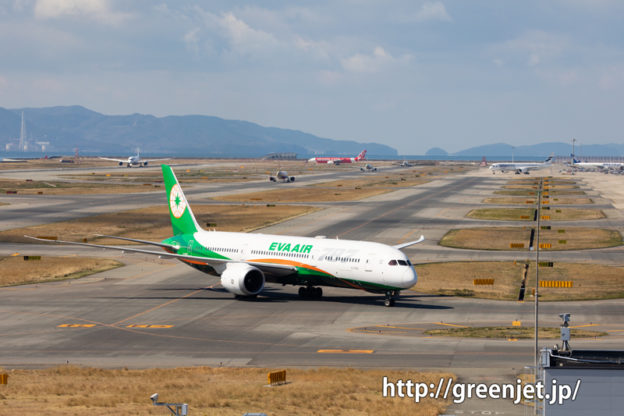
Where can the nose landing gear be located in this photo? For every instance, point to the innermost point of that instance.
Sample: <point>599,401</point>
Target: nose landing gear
<point>391,295</point>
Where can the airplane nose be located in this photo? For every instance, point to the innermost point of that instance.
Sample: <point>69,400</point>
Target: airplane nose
<point>410,277</point>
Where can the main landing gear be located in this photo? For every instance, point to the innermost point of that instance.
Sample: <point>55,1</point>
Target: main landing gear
<point>310,292</point>
<point>390,297</point>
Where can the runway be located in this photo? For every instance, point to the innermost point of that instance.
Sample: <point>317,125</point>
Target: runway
<point>160,313</point>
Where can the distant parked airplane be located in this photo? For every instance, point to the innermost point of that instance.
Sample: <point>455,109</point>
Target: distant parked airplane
<point>368,168</point>
<point>282,175</point>
<point>598,165</point>
<point>520,167</point>
<point>133,160</point>
<point>339,160</point>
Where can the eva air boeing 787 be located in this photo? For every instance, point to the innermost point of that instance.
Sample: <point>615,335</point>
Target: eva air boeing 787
<point>245,262</point>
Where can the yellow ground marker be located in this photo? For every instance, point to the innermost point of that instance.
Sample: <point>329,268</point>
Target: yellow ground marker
<point>516,323</point>
<point>15,254</point>
<point>148,326</point>
<point>585,326</point>
<point>75,326</point>
<point>336,351</point>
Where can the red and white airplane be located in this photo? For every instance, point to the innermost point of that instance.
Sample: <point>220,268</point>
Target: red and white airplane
<point>339,160</point>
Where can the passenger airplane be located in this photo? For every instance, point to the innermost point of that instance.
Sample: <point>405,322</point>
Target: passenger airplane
<point>520,167</point>
<point>282,175</point>
<point>245,262</point>
<point>339,160</point>
<point>596,165</point>
<point>133,160</point>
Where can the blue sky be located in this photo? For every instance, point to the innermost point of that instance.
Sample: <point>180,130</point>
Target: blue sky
<point>409,74</point>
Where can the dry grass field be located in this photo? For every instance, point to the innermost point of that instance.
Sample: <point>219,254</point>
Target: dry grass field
<point>502,214</point>
<point>69,390</point>
<point>27,187</point>
<point>515,332</point>
<point>500,238</point>
<point>527,214</point>
<point>487,238</point>
<point>590,281</point>
<point>153,223</point>
<point>515,200</point>
<point>16,271</point>
<point>457,278</point>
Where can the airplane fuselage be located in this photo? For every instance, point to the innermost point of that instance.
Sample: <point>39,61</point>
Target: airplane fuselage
<point>332,160</point>
<point>363,265</point>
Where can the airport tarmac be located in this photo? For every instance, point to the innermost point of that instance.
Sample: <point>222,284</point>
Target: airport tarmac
<point>159,313</point>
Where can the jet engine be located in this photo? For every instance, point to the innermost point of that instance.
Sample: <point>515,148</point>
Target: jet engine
<point>145,163</point>
<point>242,279</point>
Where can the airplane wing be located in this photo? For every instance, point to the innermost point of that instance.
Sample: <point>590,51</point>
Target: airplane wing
<point>114,160</point>
<point>411,243</point>
<point>153,160</point>
<point>134,240</point>
<point>265,267</point>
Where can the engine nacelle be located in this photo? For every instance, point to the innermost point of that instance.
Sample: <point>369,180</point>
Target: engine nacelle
<point>242,279</point>
<point>121,163</point>
<point>145,163</point>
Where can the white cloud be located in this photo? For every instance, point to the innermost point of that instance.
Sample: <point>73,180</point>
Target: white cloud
<point>432,11</point>
<point>376,62</point>
<point>95,9</point>
<point>243,38</point>
<point>611,78</point>
<point>536,47</point>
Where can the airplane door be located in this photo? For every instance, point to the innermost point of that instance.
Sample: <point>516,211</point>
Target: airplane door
<point>369,263</point>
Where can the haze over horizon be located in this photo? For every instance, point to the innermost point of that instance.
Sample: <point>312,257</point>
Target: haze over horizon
<point>409,74</point>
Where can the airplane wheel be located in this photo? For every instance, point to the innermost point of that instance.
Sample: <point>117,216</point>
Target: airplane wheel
<point>302,292</point>
<point>388,302</point>
<point>318,292</point>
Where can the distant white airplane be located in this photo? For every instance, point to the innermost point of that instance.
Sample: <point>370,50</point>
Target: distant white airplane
<point>135,160</point>
<point>368,168</point>
<point>596,165</point>
<point>282,175</point>
<point>520,167</point>
<point>245,262</point>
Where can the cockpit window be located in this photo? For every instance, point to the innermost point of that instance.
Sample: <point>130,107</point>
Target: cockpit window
<point>402,262</point>
<point>392,262</point>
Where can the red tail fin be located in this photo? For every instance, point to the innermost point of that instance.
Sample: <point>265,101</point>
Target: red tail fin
<point>361,156</point>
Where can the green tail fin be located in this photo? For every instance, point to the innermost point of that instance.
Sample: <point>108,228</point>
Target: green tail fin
<point>182,218</point>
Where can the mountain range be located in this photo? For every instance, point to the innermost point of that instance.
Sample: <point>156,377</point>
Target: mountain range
<point>67,128</point>
<point>543,149</point>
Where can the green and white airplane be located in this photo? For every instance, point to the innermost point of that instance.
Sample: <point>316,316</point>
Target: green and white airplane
<point>245,262</point>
